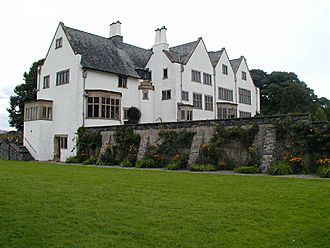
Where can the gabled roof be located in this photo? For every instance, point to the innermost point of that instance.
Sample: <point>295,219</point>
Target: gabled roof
<point>182,53</point>
<point>215,56</point>
<point>235,63</point>
<point>107,54</point>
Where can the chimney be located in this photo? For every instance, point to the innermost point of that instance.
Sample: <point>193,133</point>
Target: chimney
<point>160,39</point>
<point>115,29</point>
<point>163,38</point>
<point>157,38</point>
<point>115,33</point>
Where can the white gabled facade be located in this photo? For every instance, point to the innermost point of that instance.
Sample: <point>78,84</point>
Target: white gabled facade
<point>88,80</point>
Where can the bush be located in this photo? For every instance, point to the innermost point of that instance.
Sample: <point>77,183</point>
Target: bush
<point>280,168</point>
<point>173,166</point>
<point>126,163</point>
<point>73,160</point>
<point>203,167</point>
<point>323,171</point>
<point>247,169</point>
<point>147,163</point>
<point>296,164</point>
<point>91,160</point>
<point>225,166</point>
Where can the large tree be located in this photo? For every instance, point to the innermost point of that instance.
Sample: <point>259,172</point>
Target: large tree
<point>284,93</point>
<point>24,92</point>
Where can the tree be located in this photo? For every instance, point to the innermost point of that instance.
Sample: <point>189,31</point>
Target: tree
<point>284,93</point>
<point>24,92</point>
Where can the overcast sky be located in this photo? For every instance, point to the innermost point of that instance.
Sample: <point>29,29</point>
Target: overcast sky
<point>274,35</point>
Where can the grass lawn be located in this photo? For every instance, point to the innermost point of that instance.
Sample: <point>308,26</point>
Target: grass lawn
<point>50,205</point>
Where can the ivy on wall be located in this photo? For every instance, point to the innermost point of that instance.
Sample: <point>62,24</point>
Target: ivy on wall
<point>212,152</point>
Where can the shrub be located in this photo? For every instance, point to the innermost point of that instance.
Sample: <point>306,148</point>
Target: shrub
<point>100,162</point>
<point>73,160</point>
<point>323,171</point>
<point>173,166</point>
<point>126,163</point>
<point>280,168</point>
<point>91,160</point>
<point>296,164</point>
<point>247,169</point>
<point>147,163</point>
<point>203,167</point>
<point>225,166</point>
<point>180,160</point>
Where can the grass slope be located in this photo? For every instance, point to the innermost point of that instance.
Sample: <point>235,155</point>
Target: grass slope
<point>48,205</point>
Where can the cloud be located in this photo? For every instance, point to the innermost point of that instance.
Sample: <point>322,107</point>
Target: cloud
<point>6,92</point>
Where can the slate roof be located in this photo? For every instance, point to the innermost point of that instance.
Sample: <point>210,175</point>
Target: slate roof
<point>215,56</point>
<point>235,63</point>
<point>181,54</point>
<point>107,54</point>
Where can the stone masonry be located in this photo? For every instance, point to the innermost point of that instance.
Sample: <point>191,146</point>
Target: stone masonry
<point>268,148</point>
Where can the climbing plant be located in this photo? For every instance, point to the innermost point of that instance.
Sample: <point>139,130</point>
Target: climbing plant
<point>88,143</point>
<point>171,147</point>
<point>213,152</point>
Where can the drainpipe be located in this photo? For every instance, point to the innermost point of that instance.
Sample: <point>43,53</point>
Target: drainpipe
<point>84,75</point>
<point>181,72</point>
<point>215,95</point>
<point>256,89</point>
<point>236,101</point>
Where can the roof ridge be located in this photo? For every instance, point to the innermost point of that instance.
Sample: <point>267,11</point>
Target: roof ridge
<point>184,44</point>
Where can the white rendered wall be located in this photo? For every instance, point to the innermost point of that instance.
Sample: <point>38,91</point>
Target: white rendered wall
<point>164,110</point>
<point>39,140</point>
<point>249,85</point>
<point>97,80</point>
<point>198,61</point>
<point>67,100</point>
<point>223,80</point>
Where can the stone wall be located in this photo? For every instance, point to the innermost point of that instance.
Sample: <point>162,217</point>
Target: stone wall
<point>264,142</point>
<point>13,151</point>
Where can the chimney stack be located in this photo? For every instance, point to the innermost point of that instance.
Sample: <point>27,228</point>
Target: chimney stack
<point>160,39</point>
<point>115,29</point>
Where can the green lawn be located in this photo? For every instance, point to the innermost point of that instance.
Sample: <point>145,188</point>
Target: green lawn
<point>49,205</point>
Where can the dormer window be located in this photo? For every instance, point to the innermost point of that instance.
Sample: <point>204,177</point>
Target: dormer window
<point>122,82</point>
<point>244,75</point>
<point>58,43</point>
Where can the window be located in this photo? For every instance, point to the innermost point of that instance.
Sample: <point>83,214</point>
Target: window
<point>244,75</point>
<point>244,96</point>
<point>166,94</point>
<point>103,106</point>
<point>195,76</point>
<point>185,95</point>
<point>186,115</point>
<point>226,113</point>
<point>225,94</point>
<point>207,79</point>
<point>38,110</point>
<point>145,95</point>
<point>93,105</point>
<point>243,114</point>
<point>46,82</point>
<point>122,82</point>
<point>58,43</point>
<point>224,69</point>
<point>46,113</point>
<point>63,77</point>
<point>125,113</point>
<point>197,100</point>
<point>208,102</point>
<point>165,73</point>
<point>64,142</point>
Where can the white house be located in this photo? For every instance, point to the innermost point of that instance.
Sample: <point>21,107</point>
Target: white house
<point>89,80</point>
